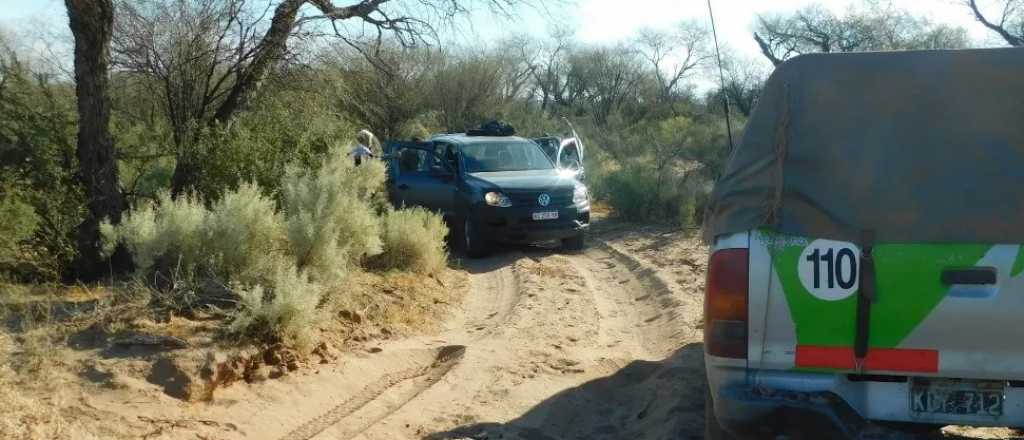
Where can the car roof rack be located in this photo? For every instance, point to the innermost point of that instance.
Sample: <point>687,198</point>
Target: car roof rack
<point>492,128</point>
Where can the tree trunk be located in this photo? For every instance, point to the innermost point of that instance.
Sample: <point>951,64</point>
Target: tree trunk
<point>91,22</point>
<point>271,49</point>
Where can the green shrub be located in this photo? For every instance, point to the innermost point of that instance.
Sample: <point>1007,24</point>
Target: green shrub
<point>285,311</point>
<point>237,240</point>
<point>414,241</point>
<point>331,214</point>
<point>688,212</point>
<point>632,192</point>
<point>264,141</point>
<point>18,225</point>
<point>278,261</point>
<point>245,234</point>
<point>696,190</point>
<point>637,194</point>
<point>166,235</point>
<point>37,150</point>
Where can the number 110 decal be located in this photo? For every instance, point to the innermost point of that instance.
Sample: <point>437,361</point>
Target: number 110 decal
<point>828,269</point>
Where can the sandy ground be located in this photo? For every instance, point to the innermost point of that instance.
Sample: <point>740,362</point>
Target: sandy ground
<point>601,344</point>
<point>546,345</point>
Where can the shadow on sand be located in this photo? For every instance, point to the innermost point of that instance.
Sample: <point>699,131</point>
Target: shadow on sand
<point>643,400</point>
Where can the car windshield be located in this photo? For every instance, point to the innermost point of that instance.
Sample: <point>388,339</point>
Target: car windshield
<point>504,156</point>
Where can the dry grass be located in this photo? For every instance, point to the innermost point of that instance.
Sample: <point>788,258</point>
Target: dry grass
<point>394,302</point>
<point>28,418</point>
<point>31,389</point>
<point>36,321</point>
<point>600,208</point>
<point>39,372</point>
<point>414,240</point>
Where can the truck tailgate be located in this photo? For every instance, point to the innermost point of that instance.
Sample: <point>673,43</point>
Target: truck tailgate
<point>947,310</point>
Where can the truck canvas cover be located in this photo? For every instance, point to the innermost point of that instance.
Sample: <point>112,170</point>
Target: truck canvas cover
<point>915,146</point>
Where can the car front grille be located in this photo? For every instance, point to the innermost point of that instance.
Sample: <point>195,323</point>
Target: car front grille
<point>529,198</point>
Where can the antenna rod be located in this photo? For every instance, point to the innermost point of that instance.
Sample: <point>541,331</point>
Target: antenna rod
<point>721,77</point>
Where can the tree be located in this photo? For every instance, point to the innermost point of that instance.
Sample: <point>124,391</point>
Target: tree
<point>674,54</point>
<point>549,68</point>
<point>879,27</point>
<point>605,79</point>
<point>1010,26</point>
<point>744,79</point>
<point>91,23</point>
<point>466,90</point>
<point>38,123</point>
<point>383,93</point>
<point>193,52</point>
<point>190,50</point>
<point>213,56</point>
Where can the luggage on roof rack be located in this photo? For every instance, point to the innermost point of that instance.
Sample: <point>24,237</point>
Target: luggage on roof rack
<point>492,128</point>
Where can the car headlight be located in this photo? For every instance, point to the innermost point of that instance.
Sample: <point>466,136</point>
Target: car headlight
<point>579,196</point>
<point>497,199</point>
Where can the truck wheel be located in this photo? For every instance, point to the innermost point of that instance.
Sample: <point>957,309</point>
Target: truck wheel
<point>712,429</point>
<point>473,242</point>
<point>574,243</point>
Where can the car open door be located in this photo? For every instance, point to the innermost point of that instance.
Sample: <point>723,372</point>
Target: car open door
<point>570,157</point>
<point>570,153</point>
<point>566,153</point>
<point>419,176</point>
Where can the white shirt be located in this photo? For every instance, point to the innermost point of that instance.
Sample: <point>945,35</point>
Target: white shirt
<point>360,151</point>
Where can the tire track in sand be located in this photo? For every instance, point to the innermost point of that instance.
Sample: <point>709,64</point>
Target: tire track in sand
<point>591,346</point>
<point>494,292</point>
<point>447,358</point>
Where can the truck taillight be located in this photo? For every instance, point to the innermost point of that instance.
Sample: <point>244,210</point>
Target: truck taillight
<point>725,304</point>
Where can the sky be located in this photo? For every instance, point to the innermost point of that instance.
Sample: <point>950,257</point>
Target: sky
<point>593,21</point>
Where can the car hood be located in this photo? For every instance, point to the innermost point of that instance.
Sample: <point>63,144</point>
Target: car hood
<point>539,180</point>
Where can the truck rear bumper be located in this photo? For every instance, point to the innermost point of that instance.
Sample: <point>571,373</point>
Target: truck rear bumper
<point>768,402</point>
<point>745,411</point>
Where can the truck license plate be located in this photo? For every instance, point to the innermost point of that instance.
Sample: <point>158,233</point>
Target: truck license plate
<point>545,215</point>
<point>964,398</point>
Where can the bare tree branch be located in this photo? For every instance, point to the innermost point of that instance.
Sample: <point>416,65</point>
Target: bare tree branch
<point>766,50</point>
<point>999,28</point>
<point>879,26</point>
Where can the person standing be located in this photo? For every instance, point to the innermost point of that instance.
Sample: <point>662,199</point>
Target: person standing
<point>364,139</point>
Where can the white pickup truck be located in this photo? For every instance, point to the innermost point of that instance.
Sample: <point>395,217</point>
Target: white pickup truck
<point>867,267</point>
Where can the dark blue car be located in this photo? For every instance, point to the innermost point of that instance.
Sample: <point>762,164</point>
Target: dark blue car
<point>490,189</point>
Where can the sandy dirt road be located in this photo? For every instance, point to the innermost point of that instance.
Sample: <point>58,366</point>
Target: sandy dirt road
<point>602,344</point>
<point>584,346</point>
<point>547,345</point>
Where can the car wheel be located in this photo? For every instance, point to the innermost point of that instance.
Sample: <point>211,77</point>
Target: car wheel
<point>574,243</point>
<point>712,429</point>
<point>472,240</point>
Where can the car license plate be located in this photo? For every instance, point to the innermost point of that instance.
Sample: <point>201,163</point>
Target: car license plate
<point>962,398</point>
<point>545,215</point>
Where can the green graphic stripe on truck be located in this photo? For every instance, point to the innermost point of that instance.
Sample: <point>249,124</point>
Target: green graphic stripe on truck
<point>1018,263</point>
<point>909,288</point>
